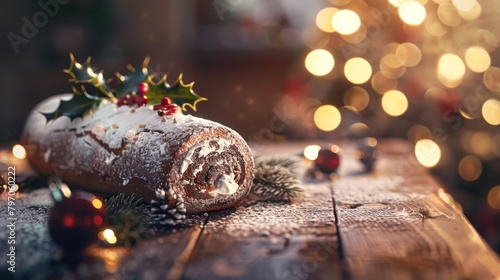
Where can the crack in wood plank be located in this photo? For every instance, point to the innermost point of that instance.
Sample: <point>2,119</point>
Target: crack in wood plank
<point>264,240</point>
<point>180,262</point>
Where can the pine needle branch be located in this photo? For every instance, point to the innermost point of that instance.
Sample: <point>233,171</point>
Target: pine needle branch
<point>127,216</point>
<point>275,180</point>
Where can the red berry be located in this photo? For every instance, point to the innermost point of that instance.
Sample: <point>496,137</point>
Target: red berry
<point>142,88</point>
<point>131,100</point>
<point>141,100</point>
<point>166,107</point>
<point>122,101</point>
<point>166,101</point>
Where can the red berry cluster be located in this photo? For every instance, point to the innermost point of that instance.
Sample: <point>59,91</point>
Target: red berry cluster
<point>166,107</point>
<point>138,98</point>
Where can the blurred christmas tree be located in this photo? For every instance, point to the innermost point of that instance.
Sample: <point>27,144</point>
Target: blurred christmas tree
<point>425,70</point>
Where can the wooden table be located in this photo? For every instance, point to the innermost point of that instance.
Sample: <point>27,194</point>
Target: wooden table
<point>393,223</point>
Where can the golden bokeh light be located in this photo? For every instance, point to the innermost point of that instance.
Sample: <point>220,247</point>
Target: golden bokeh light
<point>357,97</point>
<point>381,84</point>
<point>408,54</point>
<point>390,48</point>
<point>324,19</point>
<point>19,152</point>
<point>491,79</point>
<point>395,3</point>
<point>491,111</point>
<point>346,22</point>
<point>311,152</point>
<point>418,132</point>
<point>448,14</point>
<point>463,5</point>
<point>319,62</point>
<point>97,203</point>
<point>356,37</point>
<point>392,60</point>
<point>340,2</point>
<point>471,14</point>
<point>464,113</point>
<point>394,103</point>
<point>470,168</point>
<point>481,144</point>
<point>65,190</point>
<point>327,117</point>
<point>412,12</point>
<point>108,235</point>
<point>451,70</point>
<point>494,197</point>
<point>391,67</point>
<point>485,39</point>
<point>477,59</point>
<point>427,152</point>
<point>433,25</point>
<point>433,94</point>
<point>357,70</point>
<point>359,129</point>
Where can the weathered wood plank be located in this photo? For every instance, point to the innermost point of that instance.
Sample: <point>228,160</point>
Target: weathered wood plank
<point>394,224</point>
<point>161,257</point>
<point>266,240</point>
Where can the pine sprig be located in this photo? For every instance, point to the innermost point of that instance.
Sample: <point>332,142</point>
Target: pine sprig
<point>127,217</point>
<point>275,180</point>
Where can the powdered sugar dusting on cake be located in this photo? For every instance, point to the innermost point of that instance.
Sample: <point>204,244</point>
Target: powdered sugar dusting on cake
<point>122,147</point>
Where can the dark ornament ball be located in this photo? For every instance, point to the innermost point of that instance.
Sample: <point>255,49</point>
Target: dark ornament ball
<point>367,152</point>
<point>75,222</point>
<point>328,159</point>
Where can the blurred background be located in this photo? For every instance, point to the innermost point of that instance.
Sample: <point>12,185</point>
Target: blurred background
<point>426,71</point>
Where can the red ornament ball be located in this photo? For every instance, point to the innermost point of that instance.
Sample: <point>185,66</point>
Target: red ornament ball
<point>328,159</point>
<point>75,222</point>
<point>142,88</point>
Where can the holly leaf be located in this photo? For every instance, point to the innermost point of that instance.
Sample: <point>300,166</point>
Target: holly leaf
<point>82,73</point>
<point>129,82</point>
<point>180,93</point>
<point>75,107</point>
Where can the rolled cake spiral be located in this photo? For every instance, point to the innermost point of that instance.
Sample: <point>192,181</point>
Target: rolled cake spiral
<point>136,151</point>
